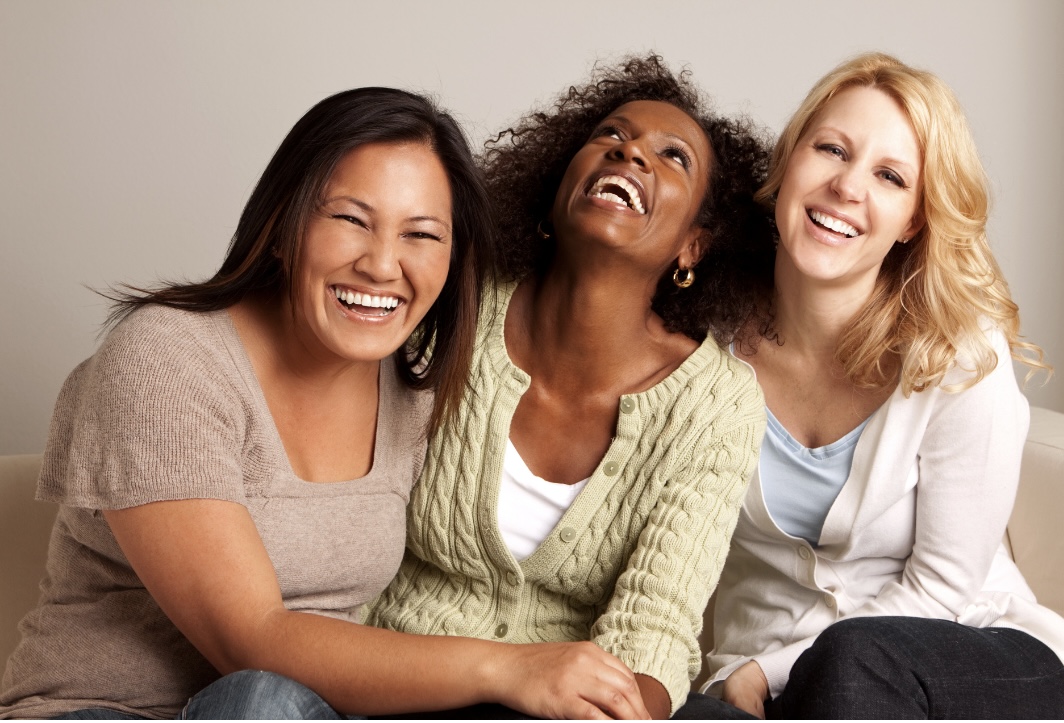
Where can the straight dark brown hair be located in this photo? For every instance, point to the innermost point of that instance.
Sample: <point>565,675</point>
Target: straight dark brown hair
<point>266,248</point>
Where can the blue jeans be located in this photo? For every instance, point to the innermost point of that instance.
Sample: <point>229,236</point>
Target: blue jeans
<point>901,667</point>
<point>246,695</point>
<point>256,695</point>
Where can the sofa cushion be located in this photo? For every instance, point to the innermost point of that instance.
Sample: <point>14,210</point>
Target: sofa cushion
<point>25,527</point>
<point>1034,529</point>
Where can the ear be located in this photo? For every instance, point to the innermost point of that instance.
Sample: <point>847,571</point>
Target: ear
<point>916,224</point>
<point>694,248</point>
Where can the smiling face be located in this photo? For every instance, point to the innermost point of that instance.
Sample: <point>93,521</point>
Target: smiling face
<point>850,191</point>
<point>375,254</point>
<point>638,184</point>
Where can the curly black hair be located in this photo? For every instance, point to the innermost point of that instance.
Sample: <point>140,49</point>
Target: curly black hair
<point>525,163</point>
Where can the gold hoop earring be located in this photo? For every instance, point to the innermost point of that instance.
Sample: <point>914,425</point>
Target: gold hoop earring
<point>687,280</point>
<point>541,232</point>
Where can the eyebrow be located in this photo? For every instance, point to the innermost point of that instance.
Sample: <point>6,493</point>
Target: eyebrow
<point>899,162</point>
<point>667,134</point>
<point>681,139</point>
<point>368,208</point>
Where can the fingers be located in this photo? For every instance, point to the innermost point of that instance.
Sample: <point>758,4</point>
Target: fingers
<point>746,688</point>
<point>617,694</point>
<point>752,705</point>
<point>573,680</point>
<point>618,704</point>
<point>586,710</point>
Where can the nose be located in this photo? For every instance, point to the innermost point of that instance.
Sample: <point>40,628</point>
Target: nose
<point>849,183</point>
<point>380,259</point>
<point>630,151</point>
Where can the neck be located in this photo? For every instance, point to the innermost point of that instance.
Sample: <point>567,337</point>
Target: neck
<point>811,315</point>
<point>288,350</point>
<point>583,325</point>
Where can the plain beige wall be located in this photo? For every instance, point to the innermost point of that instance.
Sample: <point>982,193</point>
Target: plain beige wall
<point>132,132</point>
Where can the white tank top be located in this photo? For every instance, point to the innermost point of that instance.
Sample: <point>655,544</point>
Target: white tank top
<point>529,506</point>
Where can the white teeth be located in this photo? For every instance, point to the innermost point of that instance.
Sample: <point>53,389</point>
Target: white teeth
<point>372,301</point>
<point>636,200</point>
<point>833,223</point>
<point>611,197</point>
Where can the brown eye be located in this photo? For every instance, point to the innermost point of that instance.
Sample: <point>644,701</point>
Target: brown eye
<point>349,219</point>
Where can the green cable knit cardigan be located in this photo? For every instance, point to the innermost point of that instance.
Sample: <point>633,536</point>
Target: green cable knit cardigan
<point>631,564</point>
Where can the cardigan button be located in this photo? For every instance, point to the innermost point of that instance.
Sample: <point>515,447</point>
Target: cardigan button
<point>511,577</point>
<point>500,632</point>
<point>611,468</point>
<point>627,406</point>
<point>568,534</point>
<point>803,552</point>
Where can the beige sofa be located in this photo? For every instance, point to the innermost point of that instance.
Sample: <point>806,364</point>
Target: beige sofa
<point>1032,534</point>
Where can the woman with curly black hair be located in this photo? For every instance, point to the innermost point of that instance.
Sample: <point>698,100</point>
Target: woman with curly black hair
<point>587,488</point>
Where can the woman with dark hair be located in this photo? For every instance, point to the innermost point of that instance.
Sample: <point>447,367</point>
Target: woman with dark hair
<point>233,464</point>
<point>588,484</point>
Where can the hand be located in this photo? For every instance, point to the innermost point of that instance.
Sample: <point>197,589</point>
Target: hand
<point>747,688</point>
<point>567,680</point>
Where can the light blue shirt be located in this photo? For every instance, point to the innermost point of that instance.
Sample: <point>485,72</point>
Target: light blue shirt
<point>801,484</point>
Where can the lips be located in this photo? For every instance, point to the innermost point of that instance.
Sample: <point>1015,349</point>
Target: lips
<point>832,223</point>
<point>619,188</point>
<point>365,302</point>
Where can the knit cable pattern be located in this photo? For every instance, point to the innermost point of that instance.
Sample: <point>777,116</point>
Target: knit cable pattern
<point>631,564</point>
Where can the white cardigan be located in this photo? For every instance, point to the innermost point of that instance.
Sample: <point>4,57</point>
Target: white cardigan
<point>915,531</point>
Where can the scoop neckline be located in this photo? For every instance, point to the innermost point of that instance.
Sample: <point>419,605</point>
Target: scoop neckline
<point>247,372</point>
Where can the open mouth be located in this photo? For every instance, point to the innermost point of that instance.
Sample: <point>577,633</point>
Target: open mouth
<point>367,304</point>
<point>832,224</point>
<point>619,190</point>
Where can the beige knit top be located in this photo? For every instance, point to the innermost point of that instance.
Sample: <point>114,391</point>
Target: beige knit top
<point>631,564</point>
<point>169,408</point>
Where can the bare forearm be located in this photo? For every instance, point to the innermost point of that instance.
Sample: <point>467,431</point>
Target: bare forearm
<point>359,669</point>
<point>364,670</point>
<point>239,622</point>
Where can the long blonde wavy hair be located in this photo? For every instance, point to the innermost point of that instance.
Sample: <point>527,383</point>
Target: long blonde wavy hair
<point>933,294</point>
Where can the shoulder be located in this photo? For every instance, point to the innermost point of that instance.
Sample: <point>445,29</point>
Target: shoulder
<point>711,400</point>
<point>716,374</point>
<point>162,347</point>
<point>158,395</point>
<point>965,406</point>
<point>156,346</point>
<point>161,332</point>
<point>404,410</point>
<point>494,303</point>
<point>158,355</point>
<point>988,350</point>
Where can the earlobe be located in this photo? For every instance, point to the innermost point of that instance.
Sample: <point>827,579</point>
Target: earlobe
<point>694,249</point>
<point>915,226</point>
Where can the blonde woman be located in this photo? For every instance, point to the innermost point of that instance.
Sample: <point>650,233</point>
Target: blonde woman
<point>867,577</point>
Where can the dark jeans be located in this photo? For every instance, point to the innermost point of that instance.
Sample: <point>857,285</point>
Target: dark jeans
<point>901,667</point>
<point>246,695</point>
